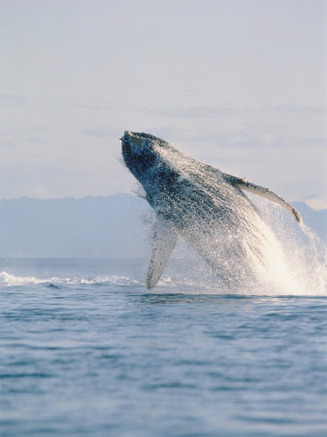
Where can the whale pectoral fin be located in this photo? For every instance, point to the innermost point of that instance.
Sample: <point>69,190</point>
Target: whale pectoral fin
<point>163,243</point>
<point>264,192</point>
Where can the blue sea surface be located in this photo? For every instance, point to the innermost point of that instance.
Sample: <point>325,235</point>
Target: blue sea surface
<point>86,350</point>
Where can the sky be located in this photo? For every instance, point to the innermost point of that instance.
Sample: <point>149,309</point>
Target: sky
<point>238,84</point>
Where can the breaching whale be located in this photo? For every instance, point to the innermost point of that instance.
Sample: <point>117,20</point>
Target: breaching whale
<point>204,205</point>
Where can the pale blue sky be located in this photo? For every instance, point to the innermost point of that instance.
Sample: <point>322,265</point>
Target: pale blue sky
<point>239,84</point>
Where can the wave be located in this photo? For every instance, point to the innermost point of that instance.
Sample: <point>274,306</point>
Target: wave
<point>192,283</point>
<point>10,280</point>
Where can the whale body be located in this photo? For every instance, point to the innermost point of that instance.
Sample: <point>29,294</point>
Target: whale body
<point>202,204</point>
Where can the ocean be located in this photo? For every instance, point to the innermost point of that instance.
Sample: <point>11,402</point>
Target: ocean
<point>86,350</point>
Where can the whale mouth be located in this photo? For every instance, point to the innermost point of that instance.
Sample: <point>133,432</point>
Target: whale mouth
<point>138,135</point>
<point>134,144</point>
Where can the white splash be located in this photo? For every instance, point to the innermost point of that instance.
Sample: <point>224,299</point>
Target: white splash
<point>10,280</point>
<point>294,263</point>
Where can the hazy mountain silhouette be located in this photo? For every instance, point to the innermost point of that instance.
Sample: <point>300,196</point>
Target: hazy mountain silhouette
<point>89,227</point>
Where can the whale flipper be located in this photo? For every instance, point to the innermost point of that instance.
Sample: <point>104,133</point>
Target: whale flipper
<point>163,243</point>
<point>243,184</point>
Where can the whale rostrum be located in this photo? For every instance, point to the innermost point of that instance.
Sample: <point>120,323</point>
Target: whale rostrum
<point>202,204</point>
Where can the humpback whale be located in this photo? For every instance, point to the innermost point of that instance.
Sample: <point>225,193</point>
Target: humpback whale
<point>202,204</point>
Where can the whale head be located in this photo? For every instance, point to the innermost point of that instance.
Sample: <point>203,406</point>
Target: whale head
<point>139,152</point>
<point>150,159</point>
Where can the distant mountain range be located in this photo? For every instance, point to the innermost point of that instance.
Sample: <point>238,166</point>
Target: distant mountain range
<point>91,227</point>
